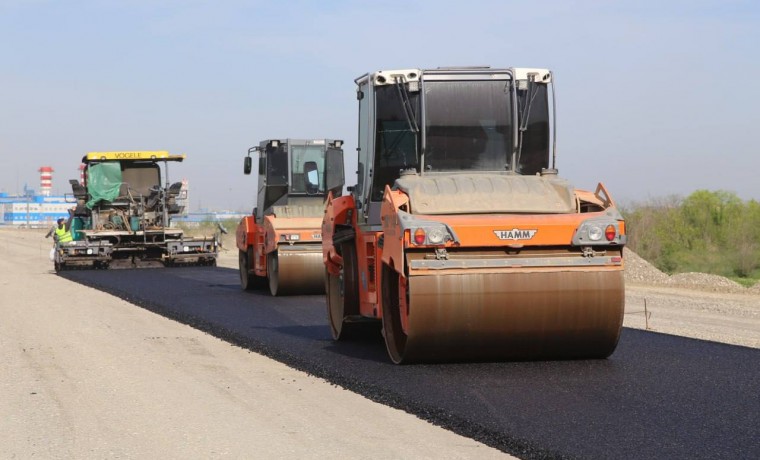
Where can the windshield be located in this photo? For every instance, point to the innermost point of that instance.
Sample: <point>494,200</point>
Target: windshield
<point>468,125</point>
<point>299,156</point>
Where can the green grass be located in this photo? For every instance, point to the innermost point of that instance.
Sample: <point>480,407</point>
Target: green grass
<point>746,282</point>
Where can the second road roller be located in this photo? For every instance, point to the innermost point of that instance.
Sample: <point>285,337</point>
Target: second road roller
<point>460,237</point>
<point>280,242</point>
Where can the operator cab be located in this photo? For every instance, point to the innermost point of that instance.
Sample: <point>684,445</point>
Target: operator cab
<point>449,121</point>
<point>293,171</point>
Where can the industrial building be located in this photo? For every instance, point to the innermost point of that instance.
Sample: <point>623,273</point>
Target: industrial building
<point>34,210</point>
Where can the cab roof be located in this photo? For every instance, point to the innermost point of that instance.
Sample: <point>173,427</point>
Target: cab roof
<point>137,155</point>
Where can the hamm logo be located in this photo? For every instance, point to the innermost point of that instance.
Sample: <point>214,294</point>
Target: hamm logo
<point>515,234</point>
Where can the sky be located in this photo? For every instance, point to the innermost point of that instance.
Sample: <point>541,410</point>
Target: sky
<point>654,98</point>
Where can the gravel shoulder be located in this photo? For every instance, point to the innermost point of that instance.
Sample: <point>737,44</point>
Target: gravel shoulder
<point>696,305</point>
<point>86,375</point>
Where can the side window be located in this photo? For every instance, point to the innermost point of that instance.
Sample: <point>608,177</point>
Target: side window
<point>277,166</point>
<point>395,141</point>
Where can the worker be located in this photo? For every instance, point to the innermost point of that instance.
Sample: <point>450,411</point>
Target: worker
<point>61,233</point>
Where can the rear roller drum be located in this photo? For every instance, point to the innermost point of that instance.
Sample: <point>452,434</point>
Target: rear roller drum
<point>295,271</point>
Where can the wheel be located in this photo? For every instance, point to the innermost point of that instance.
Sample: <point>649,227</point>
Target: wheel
<point>247,279</point>
<point>342,295</point>
<point>395,313</point>
<point>272,275</point>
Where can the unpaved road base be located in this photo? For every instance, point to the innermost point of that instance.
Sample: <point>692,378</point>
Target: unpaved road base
<point>86,375</point>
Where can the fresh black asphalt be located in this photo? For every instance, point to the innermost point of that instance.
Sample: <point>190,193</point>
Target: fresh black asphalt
<point>657,396</point>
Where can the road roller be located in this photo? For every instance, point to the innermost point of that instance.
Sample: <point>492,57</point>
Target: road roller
<point>279,244</point>
<point>460,240</point>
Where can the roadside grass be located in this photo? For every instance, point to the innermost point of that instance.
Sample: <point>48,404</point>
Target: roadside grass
<point>745,281</point>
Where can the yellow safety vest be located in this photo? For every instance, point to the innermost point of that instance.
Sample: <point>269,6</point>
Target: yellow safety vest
<point>64,236</point>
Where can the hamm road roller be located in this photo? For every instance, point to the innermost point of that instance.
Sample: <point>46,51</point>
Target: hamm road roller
<point>123,216</point>
<point>460,237</point>
<point>280,243</point>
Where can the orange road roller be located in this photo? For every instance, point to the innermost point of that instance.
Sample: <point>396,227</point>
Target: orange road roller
<point>279,244</point>
<point>460,237</point>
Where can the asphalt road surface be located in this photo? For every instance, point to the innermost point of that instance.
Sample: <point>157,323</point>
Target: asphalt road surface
<point>657,396</point>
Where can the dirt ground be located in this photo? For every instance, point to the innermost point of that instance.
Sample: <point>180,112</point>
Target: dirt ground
<point>86,375</point>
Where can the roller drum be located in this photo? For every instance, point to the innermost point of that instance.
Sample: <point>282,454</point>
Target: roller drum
<point>297,269</point>
<point>508,316</point>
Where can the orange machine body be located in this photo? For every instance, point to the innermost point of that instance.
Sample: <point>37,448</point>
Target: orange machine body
<point>280,242</point>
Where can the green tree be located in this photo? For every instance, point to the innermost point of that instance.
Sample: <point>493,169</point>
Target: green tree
<point>708,231</point>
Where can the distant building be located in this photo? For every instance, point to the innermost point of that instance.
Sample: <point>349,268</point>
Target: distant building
<point>32,210</point>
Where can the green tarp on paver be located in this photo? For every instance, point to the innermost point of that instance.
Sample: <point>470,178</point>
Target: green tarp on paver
<point>103,182</point>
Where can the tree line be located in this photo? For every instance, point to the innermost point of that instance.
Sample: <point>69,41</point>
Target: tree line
<point>708,232</point>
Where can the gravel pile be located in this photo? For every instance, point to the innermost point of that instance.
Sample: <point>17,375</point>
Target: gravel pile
<point>638,270</point>
<point>705,282</point>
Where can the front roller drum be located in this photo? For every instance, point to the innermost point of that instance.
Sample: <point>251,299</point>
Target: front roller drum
<point>292,271</point>
<point>502,316</point>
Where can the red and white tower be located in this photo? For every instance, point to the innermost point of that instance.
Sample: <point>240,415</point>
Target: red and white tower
<point>46,180</point>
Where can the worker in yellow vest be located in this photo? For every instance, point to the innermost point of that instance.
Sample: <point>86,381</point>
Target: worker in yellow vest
<point>62,232</point>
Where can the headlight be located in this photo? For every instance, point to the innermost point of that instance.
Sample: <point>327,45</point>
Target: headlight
<point>599,231</point>
<point>431,234</point>
<point>435,235</point>
<point>594,233</point>
<point>421,232</point>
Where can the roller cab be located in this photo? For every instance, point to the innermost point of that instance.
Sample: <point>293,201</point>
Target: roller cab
<point>280,242</point>
<point>460,238</point>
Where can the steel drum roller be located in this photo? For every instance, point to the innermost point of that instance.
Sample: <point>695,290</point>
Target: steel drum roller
<point>298,270</point>
<point>512,316</point>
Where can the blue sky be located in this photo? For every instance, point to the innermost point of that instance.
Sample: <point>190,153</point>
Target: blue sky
<point>654,98</point>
